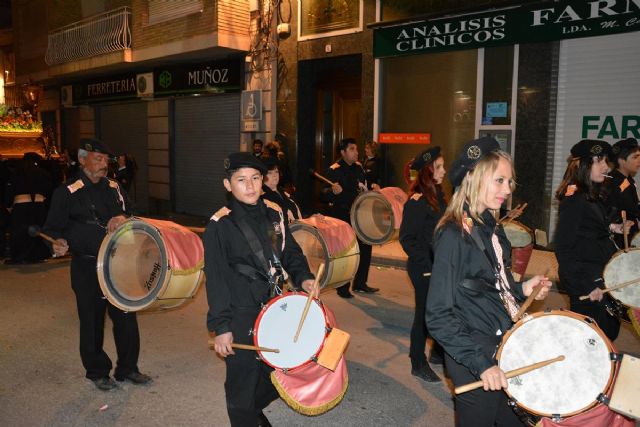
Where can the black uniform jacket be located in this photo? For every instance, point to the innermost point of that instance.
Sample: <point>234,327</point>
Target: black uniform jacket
<point>226,246</point>
<point>80,211</point>
<point>352,180</point>
<point>582,243</point>
<point>623,196</point>
<point>284,200</point>
<point>419,221</point>
<point>464,311</point>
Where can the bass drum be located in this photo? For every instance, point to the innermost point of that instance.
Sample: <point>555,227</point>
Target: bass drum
<point>565,388</point>
<point>328,240</point>
<point>521,239</point>
<point>376,215</point>
<point>148,264</point>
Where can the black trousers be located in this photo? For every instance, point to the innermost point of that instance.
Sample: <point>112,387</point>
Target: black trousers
<point>25,248</point>
<point>248,386</point>
<point>479,408</point>
<point>91,311</point>
<point>419,329</point>
<point>597,311</point>
<point>362,273</point>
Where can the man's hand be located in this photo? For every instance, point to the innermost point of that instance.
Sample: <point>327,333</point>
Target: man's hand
<point>308,286</point>
<point>596,295</point>
<point>375,187</point>
<point>538,280</point>
<point>60,247</point>
<point>115,222</point>
<point>336,188</point>
<point>494,379</point>
<point>222,344</point>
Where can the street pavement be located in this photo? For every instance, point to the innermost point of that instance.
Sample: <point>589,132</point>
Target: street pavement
<point>42,380</point>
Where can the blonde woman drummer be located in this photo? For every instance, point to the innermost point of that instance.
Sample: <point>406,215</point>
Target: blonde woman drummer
<point>473,299</point>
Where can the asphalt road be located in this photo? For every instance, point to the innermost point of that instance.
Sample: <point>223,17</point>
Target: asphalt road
<point>42,380</point>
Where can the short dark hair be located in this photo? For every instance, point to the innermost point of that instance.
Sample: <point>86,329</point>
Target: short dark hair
<point>344,143</point>
<point>258,141</point>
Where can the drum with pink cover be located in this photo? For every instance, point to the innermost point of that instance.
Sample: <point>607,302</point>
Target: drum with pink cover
<point>149,264</point>
<point>521,238</point>
<point>328,240</point>
<point>376,215</point>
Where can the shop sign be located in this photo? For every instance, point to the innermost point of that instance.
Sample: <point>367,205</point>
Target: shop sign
<point>105,89</point>
<point>404,138</point>
<point>611,126</point>
<point>526,23</point>
<point>208,77</point>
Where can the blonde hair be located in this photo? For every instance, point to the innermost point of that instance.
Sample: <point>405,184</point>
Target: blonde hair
<point>473,188</point>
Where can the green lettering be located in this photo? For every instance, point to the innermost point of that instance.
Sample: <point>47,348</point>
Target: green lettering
<point>608,128</point>
<point>630,130</point>
<point>586,127</point>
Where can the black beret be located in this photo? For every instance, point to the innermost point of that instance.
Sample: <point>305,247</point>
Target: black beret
<point>95,146</point>
<point>244,159</point>
<point>425,157</point>
<point>622,149</point>
<point>471,153</point>
<point>590,148</point>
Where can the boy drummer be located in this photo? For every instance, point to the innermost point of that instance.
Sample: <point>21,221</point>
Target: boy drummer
<point>247,247</point>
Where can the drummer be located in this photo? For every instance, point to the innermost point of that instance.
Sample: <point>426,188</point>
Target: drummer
<point>623,194</point>
<point>349,180</point>
<point>82,211</point>
<point>473,299</point>
<point>271,190</point>
<point>582,242</point>
<point>420,215</point>
<point>246,246</point>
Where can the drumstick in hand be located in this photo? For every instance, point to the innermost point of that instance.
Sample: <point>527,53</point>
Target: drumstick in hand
<point>625,230</point>
<point>320,177</point>
<point>614,288</point>
<point>514,373</point>
<point>309,299</point>
<point>532,296</point>
<point>513,214</point>
<point>249,347</point>
<point>34,231</point>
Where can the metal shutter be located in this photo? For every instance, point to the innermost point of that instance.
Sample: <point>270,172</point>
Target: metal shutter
<point>597,76</point>
<point>206,130</point>
<point>124,128</point>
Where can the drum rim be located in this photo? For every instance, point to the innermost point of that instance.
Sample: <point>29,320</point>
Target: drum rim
<point>311,229</point>
<point>102,266</point>
<point>574,315</point>
<point>357,229</point>
<point>273,301</point>
<point>604,273</point>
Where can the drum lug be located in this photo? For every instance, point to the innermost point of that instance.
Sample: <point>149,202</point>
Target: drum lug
<point>556,418</point>
<point>252,332</point>
<point>602,398</point>
<point>314,359</point>
<point>615,357</point>
<point>328,329</point>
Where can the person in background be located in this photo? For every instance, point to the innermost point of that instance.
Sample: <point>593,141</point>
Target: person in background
<point>473,299</point>
<point>582,241</point>
<point>349,180</point>
<point>257,148</point>
<point>274,192</point>
<point>125,174</point>
<point>5,174</point>
<point>420,215</point>
<point>371,165</point>
<point>621,188</point>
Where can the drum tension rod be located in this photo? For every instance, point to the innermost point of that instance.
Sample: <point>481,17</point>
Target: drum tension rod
<point>615,357</point>
<point>602,398</point>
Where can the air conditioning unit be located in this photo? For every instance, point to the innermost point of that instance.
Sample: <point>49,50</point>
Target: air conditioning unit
<point>144,85</point>
<point>66,96</point>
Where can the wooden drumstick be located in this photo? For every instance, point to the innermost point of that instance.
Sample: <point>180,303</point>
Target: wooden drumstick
<point>614,288</point>
<point>249,347</point>
<point>320,177</point>
<point>534,293</point>
<point>625,230</point>
<point>312,294</point>
<point>34,231</point>
<point>513,214</point>
<point>514,373</point>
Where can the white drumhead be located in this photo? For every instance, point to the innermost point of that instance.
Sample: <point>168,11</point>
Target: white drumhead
<point>519,236</point>
<point>566,387</point>
<point>622,268</point>
<point>278,325</point>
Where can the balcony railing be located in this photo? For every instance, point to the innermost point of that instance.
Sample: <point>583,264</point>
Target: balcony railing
<point>104,33</point>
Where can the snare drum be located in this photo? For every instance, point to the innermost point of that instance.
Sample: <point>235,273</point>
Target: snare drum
<point>376,215</point>
<point>330,241</point>
<point>564,388</point>
<point>521,239</point>
<point>148,264</point>
<point>623,267</point>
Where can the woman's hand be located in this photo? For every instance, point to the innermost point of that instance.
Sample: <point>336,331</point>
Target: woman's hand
<point>538,280</point>
<point>308,286</point>
<point>494,379</point>
<point>619,228</point>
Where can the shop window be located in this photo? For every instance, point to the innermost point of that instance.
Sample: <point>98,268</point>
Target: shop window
<point>324,18</point>
<point>497,86</point>
<point>162,10</point>
<point>435,94</point>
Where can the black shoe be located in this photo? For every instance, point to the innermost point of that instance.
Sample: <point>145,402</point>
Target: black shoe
<point>135,378</point>
<point>263,421</point>
<point>343,294</point>
<point>426,373</point>
<point>105,384</point>
<point>366,290</point>
<point>436,358</point>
